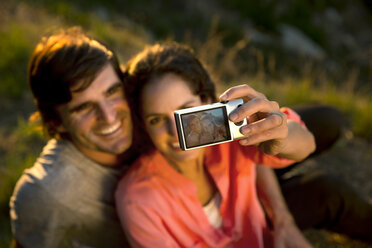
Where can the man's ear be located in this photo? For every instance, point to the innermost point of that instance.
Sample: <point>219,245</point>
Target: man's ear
<point>56,122</point>
<point>59,127</point>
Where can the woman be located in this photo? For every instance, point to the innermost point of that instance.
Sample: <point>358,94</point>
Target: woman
<point>203,197</point>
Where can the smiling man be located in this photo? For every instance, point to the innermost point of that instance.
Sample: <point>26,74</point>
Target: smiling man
<point>64,200</point>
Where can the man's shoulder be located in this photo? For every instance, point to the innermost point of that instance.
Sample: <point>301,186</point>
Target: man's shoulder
<point>60,152</point>
<point>57,160</point>
<point>57,171</point>
<point>62,189</point>
<point>63,173</point>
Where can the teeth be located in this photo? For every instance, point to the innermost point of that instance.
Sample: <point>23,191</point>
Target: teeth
<point>111,129</point>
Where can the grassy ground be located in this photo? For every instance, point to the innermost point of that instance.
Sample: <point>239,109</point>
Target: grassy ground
<point>230,57</point>
<point>350,160</point>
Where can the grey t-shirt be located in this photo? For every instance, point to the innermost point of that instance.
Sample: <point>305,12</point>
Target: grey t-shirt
<point>66,200</point>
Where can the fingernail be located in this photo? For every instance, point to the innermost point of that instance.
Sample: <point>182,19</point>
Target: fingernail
<point>246,130</point>
<point>223,97</point>
<point>233,116</point>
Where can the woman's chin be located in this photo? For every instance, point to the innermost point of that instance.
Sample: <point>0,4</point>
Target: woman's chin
<point>183,156</point>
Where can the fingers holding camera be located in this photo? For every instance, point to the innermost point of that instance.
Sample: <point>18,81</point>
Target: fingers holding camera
<point>268,128</point>
<point>254,110</point>
<point>241,91</point>
<point>268,133</point>
<point>275,135</point>
<point>275,120</point>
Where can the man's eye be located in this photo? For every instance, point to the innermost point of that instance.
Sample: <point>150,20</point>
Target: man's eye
<point>82,107</point>
<point>117,88</point>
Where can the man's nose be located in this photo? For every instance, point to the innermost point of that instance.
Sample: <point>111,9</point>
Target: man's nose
<point>107,112</point>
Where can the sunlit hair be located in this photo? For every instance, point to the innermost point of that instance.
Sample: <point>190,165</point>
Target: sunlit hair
<point>65,62</point>
<point>158,60</point>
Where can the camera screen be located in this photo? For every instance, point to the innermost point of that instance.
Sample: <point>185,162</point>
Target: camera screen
<point>205,127</point>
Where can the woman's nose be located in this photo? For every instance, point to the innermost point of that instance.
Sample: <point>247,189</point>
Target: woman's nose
<point>172,126</point>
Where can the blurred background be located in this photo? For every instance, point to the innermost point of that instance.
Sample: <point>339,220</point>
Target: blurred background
<point>293,51</point>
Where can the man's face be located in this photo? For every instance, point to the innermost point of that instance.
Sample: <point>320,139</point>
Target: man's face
<point>98,120</point>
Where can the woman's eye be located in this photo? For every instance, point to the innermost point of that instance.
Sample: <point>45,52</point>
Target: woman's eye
<point>155,121</point>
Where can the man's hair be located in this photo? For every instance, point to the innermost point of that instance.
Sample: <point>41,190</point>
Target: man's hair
<point>62,63</point>
<point>156,61</point>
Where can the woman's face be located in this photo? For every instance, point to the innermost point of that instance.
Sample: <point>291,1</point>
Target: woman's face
<point>195,125</point>
<point>208,125</point>
<point>160,98</point>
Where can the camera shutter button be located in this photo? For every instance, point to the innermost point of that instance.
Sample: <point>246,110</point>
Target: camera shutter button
<point>239,123</point>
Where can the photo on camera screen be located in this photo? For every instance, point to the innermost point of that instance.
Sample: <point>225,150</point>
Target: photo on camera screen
<point>205,127</point>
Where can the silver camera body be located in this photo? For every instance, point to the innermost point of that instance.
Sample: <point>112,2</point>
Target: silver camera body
<point>207,125</point>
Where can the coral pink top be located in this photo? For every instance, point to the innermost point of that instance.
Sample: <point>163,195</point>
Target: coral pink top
<point>158,207</point>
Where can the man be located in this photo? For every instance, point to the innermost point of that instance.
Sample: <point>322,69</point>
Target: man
<point>66,198</point>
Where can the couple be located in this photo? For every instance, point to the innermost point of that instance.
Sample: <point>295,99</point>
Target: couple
<point>67,197</point>
<point>101,120</point>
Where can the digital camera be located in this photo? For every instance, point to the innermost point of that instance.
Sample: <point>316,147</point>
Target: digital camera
<point>207,125</point>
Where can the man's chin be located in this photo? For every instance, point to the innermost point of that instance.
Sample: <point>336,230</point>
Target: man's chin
<point>121,147</point>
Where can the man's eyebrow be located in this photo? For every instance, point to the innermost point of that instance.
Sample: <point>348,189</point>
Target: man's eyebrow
<point>77,106</point>
<point>116,85</point>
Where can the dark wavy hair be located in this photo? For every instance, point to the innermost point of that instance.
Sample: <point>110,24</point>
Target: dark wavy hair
<point>154,62</point>
<point>62,63</point>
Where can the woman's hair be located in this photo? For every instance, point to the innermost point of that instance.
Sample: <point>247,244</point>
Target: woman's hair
<point>156,61</point>
<point>62,63</point>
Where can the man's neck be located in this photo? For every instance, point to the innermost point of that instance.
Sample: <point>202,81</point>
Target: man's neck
<point>103,158</point>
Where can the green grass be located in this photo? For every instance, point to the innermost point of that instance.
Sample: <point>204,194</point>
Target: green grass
<point>14,50</point>
<point>24,145</point>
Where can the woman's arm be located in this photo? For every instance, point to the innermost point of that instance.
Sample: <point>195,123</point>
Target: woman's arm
<point>298,144</point>
<point>268,128</point>
<point>285,231</point>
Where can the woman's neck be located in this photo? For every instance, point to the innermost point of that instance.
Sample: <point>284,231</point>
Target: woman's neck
<point>195,171</point>
<point>189,167</point>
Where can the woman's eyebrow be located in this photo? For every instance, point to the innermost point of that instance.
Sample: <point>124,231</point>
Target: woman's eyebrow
<point>183,106</point>
<point>186,104</point>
